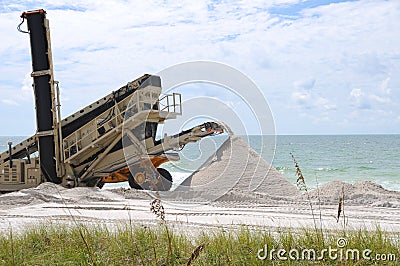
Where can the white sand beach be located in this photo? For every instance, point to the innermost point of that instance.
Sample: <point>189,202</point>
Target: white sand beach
<point>230,200</point>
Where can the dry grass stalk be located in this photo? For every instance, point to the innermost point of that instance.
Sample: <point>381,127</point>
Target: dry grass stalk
<point>12,247</point>
<point>339,211</point>
<point>341,208</point>
<point>196,253</point>
<point>319,207</point>
<point>158,209</point>
<point>79,227</point>
<point>301,183</point>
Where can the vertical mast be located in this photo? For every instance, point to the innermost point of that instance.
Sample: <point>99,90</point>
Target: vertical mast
<point>43,86</point>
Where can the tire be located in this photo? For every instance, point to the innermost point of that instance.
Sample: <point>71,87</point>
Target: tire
<point>166,180</point>
<point>164,184</point>
<point>100,184</point>
<point>93,182</point>
<point>132,182</point>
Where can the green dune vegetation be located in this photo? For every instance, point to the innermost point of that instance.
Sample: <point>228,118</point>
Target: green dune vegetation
<point>126,244</point>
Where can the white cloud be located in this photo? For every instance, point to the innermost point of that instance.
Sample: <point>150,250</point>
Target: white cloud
<point>99,46</point>
<point>384,87</point>
<point>306,84</point>
<point>307,100</point>
<point>356,93</point>
<point>9,102</point>
<point>378,98</point>
<point>361,101</point>
<point>301,97</point>
<point>324,103</point>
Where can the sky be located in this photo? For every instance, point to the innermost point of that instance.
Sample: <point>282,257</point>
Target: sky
<point>324,67</point>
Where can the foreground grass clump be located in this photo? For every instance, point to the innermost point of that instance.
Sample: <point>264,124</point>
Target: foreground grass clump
<point>160,245</point>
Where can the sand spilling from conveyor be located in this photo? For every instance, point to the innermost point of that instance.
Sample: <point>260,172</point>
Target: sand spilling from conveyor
<point>237,167</point>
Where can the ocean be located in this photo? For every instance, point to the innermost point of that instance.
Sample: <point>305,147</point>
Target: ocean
<point>349,158</point>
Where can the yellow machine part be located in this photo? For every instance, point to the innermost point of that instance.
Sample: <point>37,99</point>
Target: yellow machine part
<point>123,174</point>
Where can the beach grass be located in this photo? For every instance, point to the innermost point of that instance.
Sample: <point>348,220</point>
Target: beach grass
<point>60,244</point>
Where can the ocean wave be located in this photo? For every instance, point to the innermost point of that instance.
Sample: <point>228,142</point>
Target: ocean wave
<point>366,168</point>
<point>327,169</point>
<point>282,168</point>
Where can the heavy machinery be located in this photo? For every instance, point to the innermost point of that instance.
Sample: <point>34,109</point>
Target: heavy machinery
<point>111,140</point>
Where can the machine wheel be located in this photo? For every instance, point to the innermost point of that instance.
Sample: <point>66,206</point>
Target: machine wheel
<point>93,182</point>
<point>164,184</point>
<point>132,183</point>
<point>100,184</point>
<point>166,180</point>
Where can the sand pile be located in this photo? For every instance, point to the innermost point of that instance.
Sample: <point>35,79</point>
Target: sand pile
<point>237,173</point>
<point>362,193</point>
<point>46,192</point>
<point>51,193</point>
<point>237,167</point>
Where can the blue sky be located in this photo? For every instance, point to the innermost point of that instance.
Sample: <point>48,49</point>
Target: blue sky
<point>325,67</point>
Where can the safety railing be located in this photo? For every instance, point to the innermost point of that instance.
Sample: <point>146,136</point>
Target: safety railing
<point>114,117</point>
<point>171,103</point>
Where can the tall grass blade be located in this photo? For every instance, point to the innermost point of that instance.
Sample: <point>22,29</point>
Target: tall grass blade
<point>301,184</point>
